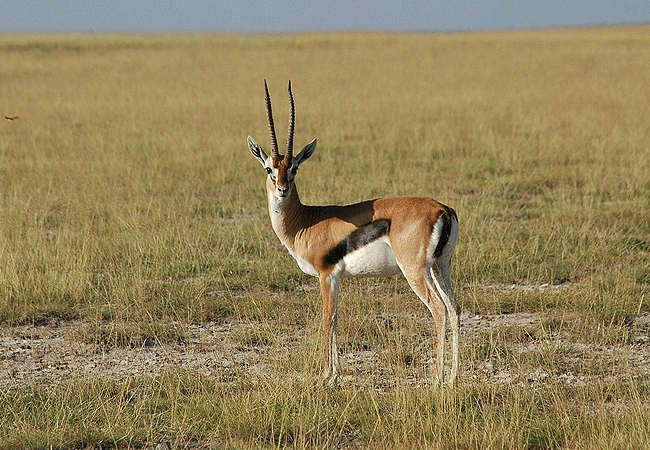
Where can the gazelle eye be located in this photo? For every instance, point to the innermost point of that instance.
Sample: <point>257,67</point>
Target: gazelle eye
<point>268,170</point>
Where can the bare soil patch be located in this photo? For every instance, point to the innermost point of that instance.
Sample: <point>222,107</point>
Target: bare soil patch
<point>48,354</point>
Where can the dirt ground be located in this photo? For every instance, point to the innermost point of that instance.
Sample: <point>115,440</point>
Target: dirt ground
<point>48,354</point>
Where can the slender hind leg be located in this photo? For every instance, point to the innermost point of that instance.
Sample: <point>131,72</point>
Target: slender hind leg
<point>420,285</point>
<point>442,281</point>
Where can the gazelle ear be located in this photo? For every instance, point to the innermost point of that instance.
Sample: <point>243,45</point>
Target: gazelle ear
<point>256,151</point>
<point>305,153</point>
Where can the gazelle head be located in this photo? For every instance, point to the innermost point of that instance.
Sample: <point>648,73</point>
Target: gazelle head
<point>281,169</point>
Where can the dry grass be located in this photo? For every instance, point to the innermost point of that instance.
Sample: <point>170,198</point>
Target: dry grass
<point>129,202</point>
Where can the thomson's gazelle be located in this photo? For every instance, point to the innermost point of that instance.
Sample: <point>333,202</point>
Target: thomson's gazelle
<point>412,235</point>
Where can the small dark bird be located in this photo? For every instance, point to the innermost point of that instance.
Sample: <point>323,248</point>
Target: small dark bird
<point>11,117</point>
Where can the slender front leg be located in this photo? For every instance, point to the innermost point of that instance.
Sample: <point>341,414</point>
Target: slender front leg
<point>329,286</point>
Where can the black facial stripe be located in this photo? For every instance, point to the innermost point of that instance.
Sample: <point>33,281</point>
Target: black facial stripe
<point>444,236</point>
<point>360,237</point>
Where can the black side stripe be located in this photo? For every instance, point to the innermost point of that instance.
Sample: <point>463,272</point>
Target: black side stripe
<point>444,236</point>
<point>360,237</point>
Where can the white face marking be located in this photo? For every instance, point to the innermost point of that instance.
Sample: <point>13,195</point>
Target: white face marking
<point>273,176</point>
<point>373,260</point>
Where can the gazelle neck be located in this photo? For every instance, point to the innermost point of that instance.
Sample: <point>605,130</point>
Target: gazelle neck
<point>286,214</point>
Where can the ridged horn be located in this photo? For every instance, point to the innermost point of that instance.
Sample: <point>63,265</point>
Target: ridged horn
<point>292,122</point>
<point>269,115</point>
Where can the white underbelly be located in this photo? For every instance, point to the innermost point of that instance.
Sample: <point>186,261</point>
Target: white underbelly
<point>373,260</point>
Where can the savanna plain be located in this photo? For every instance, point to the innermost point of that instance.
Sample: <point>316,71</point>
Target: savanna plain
<point>146,303</point>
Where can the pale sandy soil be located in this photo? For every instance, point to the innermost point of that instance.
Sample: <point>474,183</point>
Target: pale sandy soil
<point>48,354</point>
